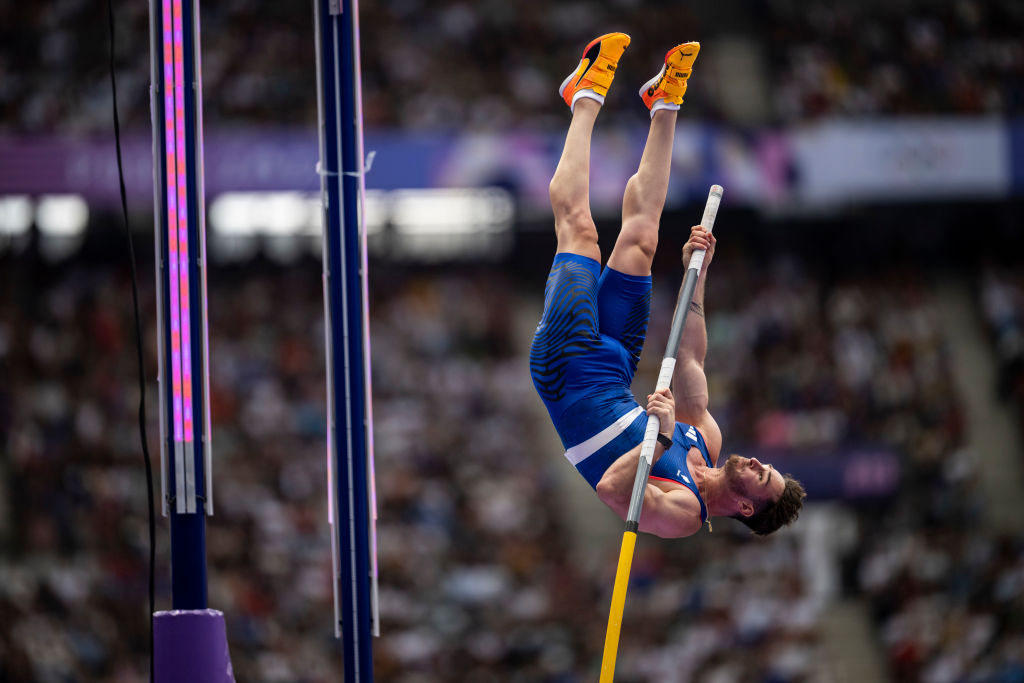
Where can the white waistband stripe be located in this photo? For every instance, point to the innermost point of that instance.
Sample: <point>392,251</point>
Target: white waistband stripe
<point>582,451</point>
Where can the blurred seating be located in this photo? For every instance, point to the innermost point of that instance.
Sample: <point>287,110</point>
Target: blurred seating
<point>487,65</point>
<point>477,577</point>
<point>800,365</point>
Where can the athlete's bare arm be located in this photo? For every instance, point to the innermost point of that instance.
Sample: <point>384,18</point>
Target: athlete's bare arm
<point>689,380</point>
<point>668,511</point>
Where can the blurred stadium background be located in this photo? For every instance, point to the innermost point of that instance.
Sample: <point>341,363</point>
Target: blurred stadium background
<point>866,327</point>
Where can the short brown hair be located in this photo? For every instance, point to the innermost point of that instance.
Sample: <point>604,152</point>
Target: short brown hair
<point>777,513</point>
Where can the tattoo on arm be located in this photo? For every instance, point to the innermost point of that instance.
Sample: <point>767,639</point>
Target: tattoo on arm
<point>697,308</point>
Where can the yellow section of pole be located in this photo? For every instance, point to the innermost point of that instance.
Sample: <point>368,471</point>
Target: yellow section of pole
<point>611,637</point>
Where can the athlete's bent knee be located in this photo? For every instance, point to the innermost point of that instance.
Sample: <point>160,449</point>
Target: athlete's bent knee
<point>576,225</point>
<point>566,199</point>
<point>642,234</point>
<point>637,202</point>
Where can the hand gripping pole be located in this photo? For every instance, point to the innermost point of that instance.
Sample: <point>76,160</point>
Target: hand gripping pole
<point>643,469</point>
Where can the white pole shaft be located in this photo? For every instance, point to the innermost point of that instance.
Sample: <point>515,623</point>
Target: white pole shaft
<point>668,362</point>
<point>708,223</point>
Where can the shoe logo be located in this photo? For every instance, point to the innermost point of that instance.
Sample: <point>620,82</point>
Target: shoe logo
<point>580,72</point>
<point>591,56</point>
<point>650,91</point>
<point>679,74</point>
<point>611,67</point>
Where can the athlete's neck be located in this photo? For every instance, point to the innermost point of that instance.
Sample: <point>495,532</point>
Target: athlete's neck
<point>713,488</point>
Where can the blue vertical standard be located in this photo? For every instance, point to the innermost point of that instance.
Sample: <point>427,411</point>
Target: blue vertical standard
<point>345,310</point>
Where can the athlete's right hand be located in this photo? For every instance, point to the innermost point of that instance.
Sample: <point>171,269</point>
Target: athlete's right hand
<point>663,406</point>
<point>699,239</point>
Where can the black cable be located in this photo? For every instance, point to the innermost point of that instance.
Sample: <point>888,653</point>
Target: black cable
<point>138,348</point>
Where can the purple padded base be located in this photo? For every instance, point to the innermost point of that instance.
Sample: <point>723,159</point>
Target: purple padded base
<point>191,646</point>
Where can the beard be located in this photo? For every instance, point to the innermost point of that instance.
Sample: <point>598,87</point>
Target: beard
<point>732,471</point>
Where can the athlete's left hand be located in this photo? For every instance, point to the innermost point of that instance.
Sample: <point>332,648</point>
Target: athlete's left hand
<point>699,239</point>
<point>663,406</point>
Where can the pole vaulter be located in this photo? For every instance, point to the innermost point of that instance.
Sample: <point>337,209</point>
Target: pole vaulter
<point>587,346</point>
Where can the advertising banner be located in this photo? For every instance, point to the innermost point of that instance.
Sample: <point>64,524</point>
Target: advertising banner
<point>825,165</point>
<point>908,160</point>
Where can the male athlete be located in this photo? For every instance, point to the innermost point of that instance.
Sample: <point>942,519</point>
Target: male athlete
<point>588,342</point>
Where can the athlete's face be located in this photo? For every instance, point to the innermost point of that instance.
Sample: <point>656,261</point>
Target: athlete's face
<point>750,478</point>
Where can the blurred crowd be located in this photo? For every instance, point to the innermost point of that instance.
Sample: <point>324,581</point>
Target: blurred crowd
<point>803,358</point>
<point>949,601</point>
<point>478,578</point>
<point>862,59</point>
<point>494,65</point>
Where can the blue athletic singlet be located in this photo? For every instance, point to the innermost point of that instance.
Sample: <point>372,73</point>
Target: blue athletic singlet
<point>582,360</point>
<point>671,466</point>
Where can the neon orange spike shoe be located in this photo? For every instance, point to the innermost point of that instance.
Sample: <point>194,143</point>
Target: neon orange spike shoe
<point>594,75</point>
<point>666,90</point>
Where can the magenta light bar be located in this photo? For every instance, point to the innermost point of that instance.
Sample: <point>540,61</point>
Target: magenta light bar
<point>172,221</point>
<point>178,255</point>
<point>183,287</point>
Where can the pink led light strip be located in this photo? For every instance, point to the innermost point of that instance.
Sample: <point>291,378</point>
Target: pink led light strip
<point>179,125</point>
<point>177,224</point>
<point>172,221</point>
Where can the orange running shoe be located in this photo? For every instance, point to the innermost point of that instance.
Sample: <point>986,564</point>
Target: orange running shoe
<point>594,75</point>
<point>666,90</point>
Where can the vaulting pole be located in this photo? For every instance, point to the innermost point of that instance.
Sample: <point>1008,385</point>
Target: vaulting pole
<point>643,469</point>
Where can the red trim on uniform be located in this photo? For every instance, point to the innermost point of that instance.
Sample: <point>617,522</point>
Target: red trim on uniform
<point>674,481</point>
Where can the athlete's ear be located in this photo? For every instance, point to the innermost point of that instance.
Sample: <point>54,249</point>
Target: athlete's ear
<point>746,507</point>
